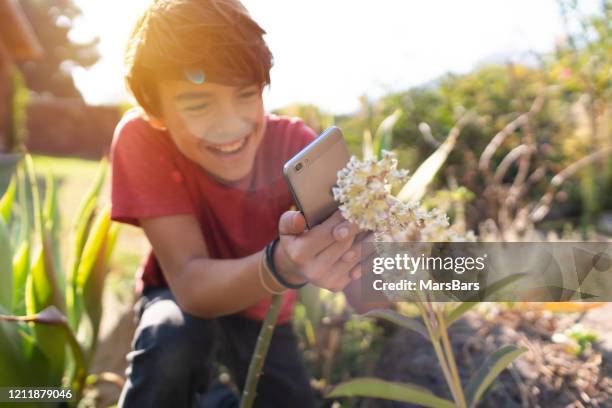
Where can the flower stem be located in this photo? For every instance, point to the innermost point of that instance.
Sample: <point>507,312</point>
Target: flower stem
<point>451,357</point>
<point>260,352</point>
<point>427,319</point>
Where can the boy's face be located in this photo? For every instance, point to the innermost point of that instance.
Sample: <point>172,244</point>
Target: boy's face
<point>217,126</point>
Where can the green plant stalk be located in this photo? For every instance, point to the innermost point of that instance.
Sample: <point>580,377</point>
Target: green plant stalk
<point>450,356</point>
<point>439,353</point>
<point>260,352</point>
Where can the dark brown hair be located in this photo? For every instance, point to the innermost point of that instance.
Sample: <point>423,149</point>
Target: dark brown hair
<point>216,36</point>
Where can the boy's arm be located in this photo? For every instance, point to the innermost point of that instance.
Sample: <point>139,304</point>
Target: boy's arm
<point>202,286</point>
<point>209,288</point>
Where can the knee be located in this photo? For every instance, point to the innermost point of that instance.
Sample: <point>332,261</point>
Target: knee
<point>173,338</point>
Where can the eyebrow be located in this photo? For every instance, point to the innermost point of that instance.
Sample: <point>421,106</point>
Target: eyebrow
<point>190,96</point>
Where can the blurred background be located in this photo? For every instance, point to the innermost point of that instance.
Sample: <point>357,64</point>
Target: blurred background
<point>516,94</point>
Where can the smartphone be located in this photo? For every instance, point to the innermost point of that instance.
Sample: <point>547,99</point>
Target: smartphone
<point>313,172</point>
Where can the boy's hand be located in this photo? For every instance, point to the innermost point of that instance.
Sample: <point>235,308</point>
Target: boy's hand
<point>328,255</point>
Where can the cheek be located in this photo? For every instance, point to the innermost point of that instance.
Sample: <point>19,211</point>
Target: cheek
<point>256,115</point>
<point>195,126</point>
<point>182,134</point>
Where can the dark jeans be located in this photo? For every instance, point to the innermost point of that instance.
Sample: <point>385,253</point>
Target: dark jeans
<point>173,352</point>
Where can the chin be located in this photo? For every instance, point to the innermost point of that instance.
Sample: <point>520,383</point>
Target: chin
<point>230,174</point>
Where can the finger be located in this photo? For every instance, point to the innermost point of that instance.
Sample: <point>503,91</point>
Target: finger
<point>363,257</point>
<point>291,223</point>
<point>355,272</point>
<point>360,242</point>
<point>340,277</point>
<point>329,257</point>
<point>317,239</point>
<point>344,230</point>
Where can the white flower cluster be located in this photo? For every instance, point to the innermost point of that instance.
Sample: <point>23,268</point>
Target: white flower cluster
<point>364,191</point>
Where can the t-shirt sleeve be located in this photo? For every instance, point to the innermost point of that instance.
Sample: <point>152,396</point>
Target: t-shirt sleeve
<point>145,183</point>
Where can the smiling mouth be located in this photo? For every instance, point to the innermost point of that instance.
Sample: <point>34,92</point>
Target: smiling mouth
<point>229,148</point>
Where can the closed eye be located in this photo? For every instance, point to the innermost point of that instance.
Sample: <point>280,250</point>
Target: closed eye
<point>201,106</point>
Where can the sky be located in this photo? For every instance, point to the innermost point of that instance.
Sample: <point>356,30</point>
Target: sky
<point>330,52</point>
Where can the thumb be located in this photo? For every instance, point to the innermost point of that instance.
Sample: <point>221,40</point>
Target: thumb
<point>291,223</point>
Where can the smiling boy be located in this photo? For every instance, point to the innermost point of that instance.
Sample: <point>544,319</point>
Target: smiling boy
<point>199,168</point>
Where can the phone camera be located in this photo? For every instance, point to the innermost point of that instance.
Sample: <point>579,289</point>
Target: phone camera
<point>299,166</point>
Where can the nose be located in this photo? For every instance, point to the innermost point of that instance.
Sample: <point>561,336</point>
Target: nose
<point>228,124</point>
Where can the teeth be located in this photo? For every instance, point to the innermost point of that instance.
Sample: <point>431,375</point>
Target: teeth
<point>232,147</point>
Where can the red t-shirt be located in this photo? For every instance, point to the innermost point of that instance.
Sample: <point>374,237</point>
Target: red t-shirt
<point>152,178</point>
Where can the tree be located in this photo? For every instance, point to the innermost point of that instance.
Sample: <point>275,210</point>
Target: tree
<point>52,21</point>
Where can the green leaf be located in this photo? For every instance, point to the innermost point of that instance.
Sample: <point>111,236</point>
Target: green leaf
<point>310,297</point>
<point>6,202</point>
<point>52,317</point>
<point>24,193</point>
<point>383,139</point>
<point>36,202</point>
<point>82,226</point>
<point>40,294</point>
<point>489,370</point>
<point>52,223</point>
<point>376,388</point>
<point>80,237</point>
<point>111,240</point>
<point>6,267</point>
<point>93,192</point>
<point>399,319</point>
<point>481,296</point>
<point>93,246</point>
<point>10,355</point>
<point>417,185</point>
<point>21,269</point>
<point>92,271</point>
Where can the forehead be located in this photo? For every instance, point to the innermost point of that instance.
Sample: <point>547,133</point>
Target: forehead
<point>183,90</point>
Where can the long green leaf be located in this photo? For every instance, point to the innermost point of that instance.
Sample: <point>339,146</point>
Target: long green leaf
<point>92,271</point>
<point>36,202</point>
<point>6,202</point>
<point>11,359</point>
<point>24,195</point>
<point>93,245</point>
<point>481,296</point>
<point>21,269</point>
<point>93,192</point>
<point>6,267</point>
<point>310,297</point>
<point>489,371</point>
<point>377,388</point>
<point>22,363</point>
<point>399,319</point>
<point>52,224</point>
<point>417,185</point>
<point>111,240</point>
<point>40,294</point>
<point>82,226</point>
<point>383,138</point>
<point>52,317</point>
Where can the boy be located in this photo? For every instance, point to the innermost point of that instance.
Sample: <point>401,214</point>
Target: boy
<point>199,169</point>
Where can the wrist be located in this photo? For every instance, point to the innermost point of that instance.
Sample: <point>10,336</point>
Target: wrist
<point>287,269</point>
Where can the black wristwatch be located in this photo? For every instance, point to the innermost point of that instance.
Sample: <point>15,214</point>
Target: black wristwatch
<point>270,264</point>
